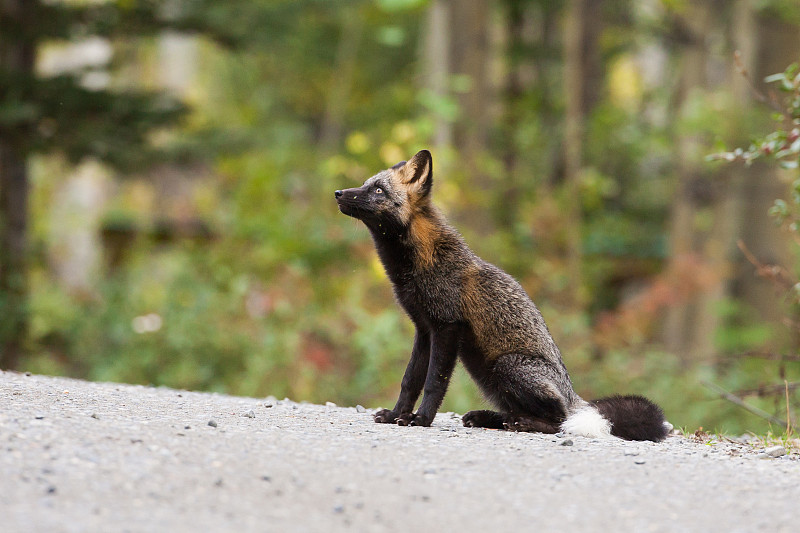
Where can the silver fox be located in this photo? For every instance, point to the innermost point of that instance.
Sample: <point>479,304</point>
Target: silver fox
<point>466,309</point>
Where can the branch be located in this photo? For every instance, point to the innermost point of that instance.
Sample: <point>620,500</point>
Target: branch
<point>789,419</point>
<point>769,390</point>
<point>741,403</point>
<point>774,273</point>
<point>770,100</point>
<point>771,356</point>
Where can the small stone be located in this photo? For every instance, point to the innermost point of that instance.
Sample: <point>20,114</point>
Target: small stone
<point>775,451</point>
<point>330,404</point>
<point>567,442</point>
<point>266,478</point>
<point>338,509</point>
<point>360,409</point>
<point>218,483</point>
<point>212,423</point>
<point>187,427</point>
<point>27,373</point>
<point>639,461</point>
<point>39,417</point>
<point>95,416</point>
<point>250,414</point>
<point>51,489</point>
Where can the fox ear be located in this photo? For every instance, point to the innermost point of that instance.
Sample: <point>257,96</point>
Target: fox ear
<point>417,173</point>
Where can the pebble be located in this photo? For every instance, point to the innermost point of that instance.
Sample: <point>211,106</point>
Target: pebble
<point>566,442</point>
<point>250,414</point>
<point>95,416</point>
<point>360,409</point>
<point>639,461</point>
<point>330,404</point>
<point>775,451</point>
<point>212,423</point>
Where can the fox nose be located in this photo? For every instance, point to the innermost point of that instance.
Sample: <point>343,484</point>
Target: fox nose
<point>338,194</point>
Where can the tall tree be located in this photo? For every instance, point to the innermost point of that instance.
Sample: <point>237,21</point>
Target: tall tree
<point>574,29</point>
<point>777,45</point>
<point>62,114</point>
<point>16,59</point>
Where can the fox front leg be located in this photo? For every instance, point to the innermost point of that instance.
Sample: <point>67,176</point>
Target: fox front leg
<point>443,352</point>
<point>412,383</point>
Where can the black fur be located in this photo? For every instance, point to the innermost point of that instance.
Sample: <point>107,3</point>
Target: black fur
<point>633,417</point>
<point>465,308</point>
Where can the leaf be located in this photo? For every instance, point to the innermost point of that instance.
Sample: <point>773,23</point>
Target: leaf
<point>775,77</point>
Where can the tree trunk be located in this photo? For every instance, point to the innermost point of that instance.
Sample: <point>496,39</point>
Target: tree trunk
<point>469,55</point>
<point>778,46</point>
<point>16,57</point>
<point>342,78</point>
<point>437,66</point>
<point>13,254</point>
<point>680,317</point>
<point>573,138</point>
<point>719,246</point>
<point>515,27</point>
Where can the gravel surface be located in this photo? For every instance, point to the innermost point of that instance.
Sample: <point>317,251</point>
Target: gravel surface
<point>79,456</point>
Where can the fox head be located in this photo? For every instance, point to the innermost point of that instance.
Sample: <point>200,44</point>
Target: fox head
<point>389,200</point>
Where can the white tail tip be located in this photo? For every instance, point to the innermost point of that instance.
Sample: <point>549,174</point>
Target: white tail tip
<point>587,422</point>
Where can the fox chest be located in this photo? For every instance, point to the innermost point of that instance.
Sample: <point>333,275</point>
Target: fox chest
<point>429,299</point>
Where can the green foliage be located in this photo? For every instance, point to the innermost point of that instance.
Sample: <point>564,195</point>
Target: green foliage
<point>288,297</point>
<point>782,145</point>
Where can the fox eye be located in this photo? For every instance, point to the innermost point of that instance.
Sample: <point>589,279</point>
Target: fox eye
<point>378,190</point>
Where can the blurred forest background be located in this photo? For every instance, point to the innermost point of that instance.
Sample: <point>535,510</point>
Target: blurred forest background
<point>167,171</point>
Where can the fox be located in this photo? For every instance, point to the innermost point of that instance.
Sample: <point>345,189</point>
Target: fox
<point>466,309</point>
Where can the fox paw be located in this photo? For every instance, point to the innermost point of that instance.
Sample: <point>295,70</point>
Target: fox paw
<point>385,416</point>
<point>414,419</point>
<point>482,419</point>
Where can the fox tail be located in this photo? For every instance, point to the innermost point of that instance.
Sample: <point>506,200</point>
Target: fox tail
<point>628,417</point>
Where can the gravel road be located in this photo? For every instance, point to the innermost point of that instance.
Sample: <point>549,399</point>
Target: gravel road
<point>80,456</point>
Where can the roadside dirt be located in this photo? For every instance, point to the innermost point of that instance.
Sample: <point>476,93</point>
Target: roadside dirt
<point>80,456</point>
